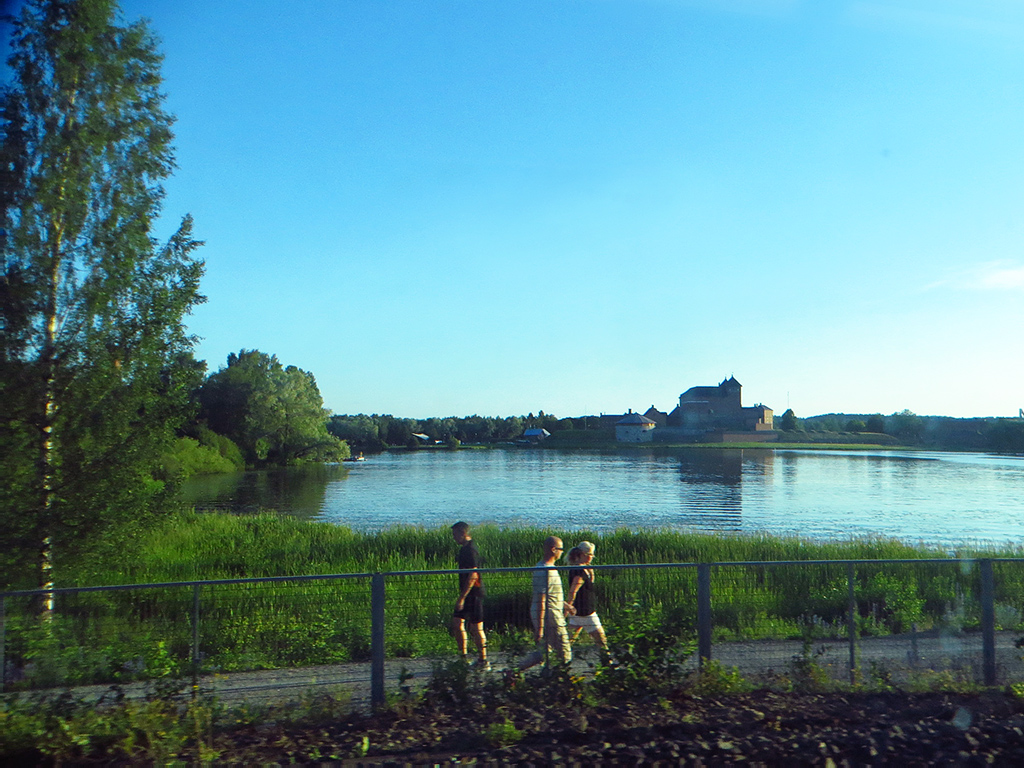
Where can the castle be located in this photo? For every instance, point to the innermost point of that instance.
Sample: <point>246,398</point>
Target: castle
<point>708,413</point>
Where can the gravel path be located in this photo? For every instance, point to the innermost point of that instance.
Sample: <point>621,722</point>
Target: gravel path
<point>893,655</point>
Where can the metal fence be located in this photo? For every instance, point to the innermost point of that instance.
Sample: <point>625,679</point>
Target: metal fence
<point>851,621</point>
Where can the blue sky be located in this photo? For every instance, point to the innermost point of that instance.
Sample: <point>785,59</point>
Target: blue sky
<point>446,208</point>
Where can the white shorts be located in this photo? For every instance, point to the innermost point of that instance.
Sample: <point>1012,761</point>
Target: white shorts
<point>589,623</point>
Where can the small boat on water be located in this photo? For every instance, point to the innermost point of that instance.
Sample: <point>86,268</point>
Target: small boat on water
<point>360,457</point>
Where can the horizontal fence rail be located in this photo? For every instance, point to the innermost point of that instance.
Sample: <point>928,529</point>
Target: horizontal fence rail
<point>850,620</point>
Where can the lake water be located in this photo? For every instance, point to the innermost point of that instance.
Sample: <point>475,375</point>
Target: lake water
<point>944,499</point>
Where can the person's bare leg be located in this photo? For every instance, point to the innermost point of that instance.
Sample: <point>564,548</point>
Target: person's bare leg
<point>459,631</point>
<point>575,634</point>
<point>477,631</point>
<point>602,644</point>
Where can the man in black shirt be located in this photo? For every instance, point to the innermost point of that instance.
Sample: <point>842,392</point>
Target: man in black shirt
<point>469,608</point>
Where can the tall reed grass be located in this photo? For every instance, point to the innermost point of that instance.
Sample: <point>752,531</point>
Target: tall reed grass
<point>132,634</point>
<point>194,545</point>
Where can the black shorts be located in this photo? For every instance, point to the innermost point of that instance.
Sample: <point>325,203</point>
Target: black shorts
<point>473,609</point>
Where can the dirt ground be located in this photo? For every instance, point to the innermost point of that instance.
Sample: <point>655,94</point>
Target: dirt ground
<point>761,728</point>
<point>538,725</point>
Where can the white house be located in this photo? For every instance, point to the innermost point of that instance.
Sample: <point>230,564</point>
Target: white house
<point>634,428</point>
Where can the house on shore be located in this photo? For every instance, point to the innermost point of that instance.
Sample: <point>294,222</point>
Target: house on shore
<point>536,435</point>
<point>634,428</point>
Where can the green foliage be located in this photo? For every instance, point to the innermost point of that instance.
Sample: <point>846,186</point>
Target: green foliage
<point>788,422</point>
<point>875,423</point>
<point>96,367</point>
<point>646,648</point>
<point>906,426</point>
<point>154,730</point>
<point>502,734</point>
<point>899,597</point>
<point>1007,436</point>
<point>222,444</point>
<point>187,457</point>
<point>361,431</point>
<point>809,672</point>
<point>116,636</point>
<point>376,432</point>
<point>274,414</point>
<point>715,678</point>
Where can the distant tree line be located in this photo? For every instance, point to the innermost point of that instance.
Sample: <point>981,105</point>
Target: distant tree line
<point>1002,435</point>
<point>377,432</point>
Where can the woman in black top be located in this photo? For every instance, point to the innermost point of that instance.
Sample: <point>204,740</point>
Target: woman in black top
<point>581,595</point>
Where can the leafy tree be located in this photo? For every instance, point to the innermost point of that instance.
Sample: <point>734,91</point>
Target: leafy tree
<point>95,366</point>
<point>476,429</point>
<point>1006,435</point>
<point>906,426</point>
<point>856,425</point>
<point>361,431</point>
<point>440,429</point>
<point>788,422</point>
<point>510,427</point>
<point>274,414</point>
<point>876,424</point>
<point>549,422</point>
<point>400,432</point>
<point>188,457</point>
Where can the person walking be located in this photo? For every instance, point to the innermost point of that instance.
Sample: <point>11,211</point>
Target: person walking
<point>548,608</point>
<point>581,596</point>
<point>469,607</point>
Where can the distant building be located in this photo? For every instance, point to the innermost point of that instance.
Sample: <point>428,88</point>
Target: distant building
<point>536,435</point>
<point>704,414</point>
<point>718,409</point>
<point>658,417</point>
<point>634,428</point>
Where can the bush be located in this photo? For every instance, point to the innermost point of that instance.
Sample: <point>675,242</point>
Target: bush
<point>188,457</point>
<point>646,649</point>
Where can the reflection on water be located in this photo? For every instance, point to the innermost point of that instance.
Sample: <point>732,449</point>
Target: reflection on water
<point>298,491</point>
<point>945,499</point>
<point>712,497</point>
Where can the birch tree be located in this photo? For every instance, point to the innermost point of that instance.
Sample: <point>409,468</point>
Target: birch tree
<point>96,361</point>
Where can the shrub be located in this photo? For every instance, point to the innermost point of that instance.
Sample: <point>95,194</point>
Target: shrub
<point>715,678</point>
<point>646,648</point>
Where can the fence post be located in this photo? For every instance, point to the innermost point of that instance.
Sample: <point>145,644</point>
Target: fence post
<point>377,641</point>
<point>703,612</point>
<point>195,638</point>
<point>3,642</point>
<point>988,622</point>
<point>852,620</point>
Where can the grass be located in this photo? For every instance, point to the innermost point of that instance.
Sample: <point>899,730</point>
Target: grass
<point>207,546</point>
<point>145,634</point>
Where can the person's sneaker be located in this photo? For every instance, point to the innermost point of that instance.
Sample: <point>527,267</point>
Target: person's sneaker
<point>483,665</point>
